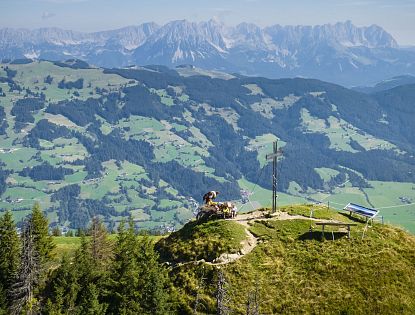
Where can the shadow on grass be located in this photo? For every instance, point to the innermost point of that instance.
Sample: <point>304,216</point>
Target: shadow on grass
<point>355,219</point>
<point>319,236</point>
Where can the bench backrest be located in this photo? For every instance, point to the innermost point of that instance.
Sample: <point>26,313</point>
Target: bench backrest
<point>363,211</point>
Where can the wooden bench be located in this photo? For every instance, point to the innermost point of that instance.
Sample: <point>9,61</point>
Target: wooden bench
<point>348,225</point>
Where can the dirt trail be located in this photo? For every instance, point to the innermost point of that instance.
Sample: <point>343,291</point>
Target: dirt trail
<point>247,246</point>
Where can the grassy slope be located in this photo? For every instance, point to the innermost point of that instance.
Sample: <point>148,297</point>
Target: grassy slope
<point>202,241</point>
<point>296,272</point>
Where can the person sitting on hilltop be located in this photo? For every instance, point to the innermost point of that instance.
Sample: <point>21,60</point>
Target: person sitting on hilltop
<point>226,209</point>
<point>209,196</point>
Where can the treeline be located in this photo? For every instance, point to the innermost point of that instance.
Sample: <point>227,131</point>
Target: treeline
<point>47,131</point>
<point>45,171</point>
<point>104,277</point>
<point>23,110</point>
<point>3,121</point>
<point>3,176</point>
<point>78,84</point>
<point>80,211</point>
<point>73,64</point>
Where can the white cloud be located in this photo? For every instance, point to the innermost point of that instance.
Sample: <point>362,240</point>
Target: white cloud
<point>47,15</point>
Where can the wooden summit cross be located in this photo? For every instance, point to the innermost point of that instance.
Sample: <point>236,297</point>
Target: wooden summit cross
<point>274,156</point>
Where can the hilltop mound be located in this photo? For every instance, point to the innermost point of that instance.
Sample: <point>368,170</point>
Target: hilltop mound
<point>293,270</point>
<point>207,241</point>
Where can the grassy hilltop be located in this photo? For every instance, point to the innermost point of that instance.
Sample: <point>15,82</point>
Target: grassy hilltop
<point>288,269</point>
<point>294,271</point>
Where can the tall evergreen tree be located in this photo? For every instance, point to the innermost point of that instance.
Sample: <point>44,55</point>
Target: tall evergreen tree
<point>155,288</point>
<point>90,280</point>
<point>100,247</point>
<point>138,282</point>
<point>9,254</point>
<point>62,289</point>
<point>124,283</point>
<point>40,229</point>
<point>90,304</point>
<point>22,290</point>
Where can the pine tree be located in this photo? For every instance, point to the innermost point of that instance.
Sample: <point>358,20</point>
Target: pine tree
<point>43,241</point>
<point>90,280</point>
<point>62,289</point>
<point>22,290</point>
<point>83,264</point>
<point>154,279</point>
<point>90,304</point>
<point>139,284</point>
<point>9,254</point>
<point>124,283</point>
<point>56,231</point>
<point>100,247</point>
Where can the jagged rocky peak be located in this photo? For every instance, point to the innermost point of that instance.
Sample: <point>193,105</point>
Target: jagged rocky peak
<point>192,33</point>
<point>343,33</point>
<point>348,34</point>
<point>249,35</point>
<point>129,37</point>
<point>379,37</point>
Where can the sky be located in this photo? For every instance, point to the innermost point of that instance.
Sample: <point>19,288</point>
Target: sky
<point>395,16</point>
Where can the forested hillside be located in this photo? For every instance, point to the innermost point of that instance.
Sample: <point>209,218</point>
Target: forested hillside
<point>148,142</point>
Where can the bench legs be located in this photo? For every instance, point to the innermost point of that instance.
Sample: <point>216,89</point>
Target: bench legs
<point>322,232</point>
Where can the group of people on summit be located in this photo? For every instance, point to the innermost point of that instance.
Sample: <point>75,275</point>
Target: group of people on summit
<point>228,209</point>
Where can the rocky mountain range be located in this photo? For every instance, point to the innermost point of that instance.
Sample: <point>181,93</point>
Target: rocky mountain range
<point>341,53</point>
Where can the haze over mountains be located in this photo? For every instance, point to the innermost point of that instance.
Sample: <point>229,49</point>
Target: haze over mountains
<point>341,53</point>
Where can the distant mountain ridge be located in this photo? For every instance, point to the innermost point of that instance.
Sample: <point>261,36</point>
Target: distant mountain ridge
<point>387,84</point>
<point>342,52</point>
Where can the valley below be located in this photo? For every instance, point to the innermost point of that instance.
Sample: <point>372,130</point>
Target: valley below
<point>148,142</point>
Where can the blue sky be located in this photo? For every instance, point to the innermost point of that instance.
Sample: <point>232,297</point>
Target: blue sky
<point>396,16</point>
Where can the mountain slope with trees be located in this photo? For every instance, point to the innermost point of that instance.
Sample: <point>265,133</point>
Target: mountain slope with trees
<point>149,142</point>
